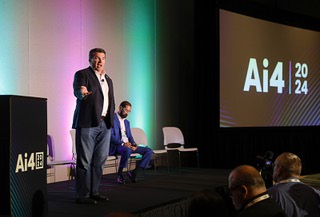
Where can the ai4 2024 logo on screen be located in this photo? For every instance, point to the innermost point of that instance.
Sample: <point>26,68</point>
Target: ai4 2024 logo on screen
<point>298,82</point>
<point>30,161</point>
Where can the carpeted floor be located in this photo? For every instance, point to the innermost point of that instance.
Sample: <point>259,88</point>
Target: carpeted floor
<point>161,193</point>
<point>138,198</point>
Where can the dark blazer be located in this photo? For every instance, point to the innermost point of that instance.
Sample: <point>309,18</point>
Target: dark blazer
<point>88,111</point>
<point>116,134</point>
<point>264,208</point>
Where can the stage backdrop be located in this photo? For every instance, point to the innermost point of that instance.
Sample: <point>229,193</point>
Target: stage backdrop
<point>43,43</point>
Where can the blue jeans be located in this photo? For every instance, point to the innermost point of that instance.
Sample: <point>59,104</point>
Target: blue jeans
<point>92,146</point>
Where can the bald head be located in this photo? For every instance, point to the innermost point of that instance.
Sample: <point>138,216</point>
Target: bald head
<point>245,182</point>
<point>248,176</point>
<point>286,165</point>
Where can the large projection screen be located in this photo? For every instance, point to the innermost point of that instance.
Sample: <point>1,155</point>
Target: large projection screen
<point>269,73</point>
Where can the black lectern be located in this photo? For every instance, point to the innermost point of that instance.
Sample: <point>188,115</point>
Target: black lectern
<point>23,141</point>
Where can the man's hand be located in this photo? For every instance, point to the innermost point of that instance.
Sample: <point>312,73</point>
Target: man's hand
<point>132,146</point>
<point>85,93</point>
<point>128,144</point>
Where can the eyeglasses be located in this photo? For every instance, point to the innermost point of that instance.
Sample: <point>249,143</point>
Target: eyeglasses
<point>126,110</point>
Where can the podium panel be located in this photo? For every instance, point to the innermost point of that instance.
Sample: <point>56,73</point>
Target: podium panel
<point>23,141</point>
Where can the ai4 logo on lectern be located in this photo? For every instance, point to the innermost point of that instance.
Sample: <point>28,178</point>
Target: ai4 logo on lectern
<point>30,161</point>
<point>275,79</point>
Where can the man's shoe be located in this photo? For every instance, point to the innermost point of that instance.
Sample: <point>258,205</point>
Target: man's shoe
<point>132,176</point>
<point>120,180</point>
<point>99,197</point>
<point>86,200</point>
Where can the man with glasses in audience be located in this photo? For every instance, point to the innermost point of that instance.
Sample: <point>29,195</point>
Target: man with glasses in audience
<point>248,193</point>
<point>295,198</point>
<point>122,143</point>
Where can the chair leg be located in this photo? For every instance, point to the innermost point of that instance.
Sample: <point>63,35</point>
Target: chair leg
<point>72,175</point>
<point>179,161</point>
<point>198,162</point>
<point>164,155</point>
<point>51,173</point>
<point>102,182</point>
<point>155,164</point>
<point>168,162</point>
<point>116,165</point>
<point>129,164</point>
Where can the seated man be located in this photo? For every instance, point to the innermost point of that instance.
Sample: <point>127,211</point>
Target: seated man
<point>249,194</point>
<point>295,197</point>
<point>122,143</point>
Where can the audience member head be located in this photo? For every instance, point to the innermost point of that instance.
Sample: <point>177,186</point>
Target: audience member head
<point>207,202</point>
<point>286,165</point>
<point>245,182</point>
